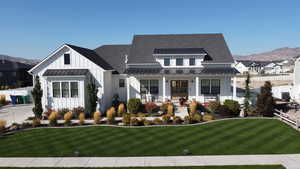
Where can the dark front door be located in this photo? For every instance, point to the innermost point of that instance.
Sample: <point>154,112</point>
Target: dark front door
<point>179,88</point>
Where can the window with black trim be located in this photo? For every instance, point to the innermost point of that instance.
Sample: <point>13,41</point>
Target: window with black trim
<point>179,61</point>
<point>166,61</point>
<point>192,61</point>
<point>67,59</point>
<point>210,86</point>
<point>74,89</point>
<point>56,89</point>
<point>121,82</point>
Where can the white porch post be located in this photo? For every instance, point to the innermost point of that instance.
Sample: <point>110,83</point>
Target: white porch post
<point>197,87</point>
<point>164,88</point>
<point>128,88</point>
<point>234,88</point>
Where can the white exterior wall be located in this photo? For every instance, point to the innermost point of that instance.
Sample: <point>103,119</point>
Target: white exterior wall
<point>77,61</point>
<point>186,61</point>
<point>296,80</point>
<point>121,91</point>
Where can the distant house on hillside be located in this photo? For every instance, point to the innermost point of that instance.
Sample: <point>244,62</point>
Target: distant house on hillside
<point>14,74</point>
<point>253,67</point>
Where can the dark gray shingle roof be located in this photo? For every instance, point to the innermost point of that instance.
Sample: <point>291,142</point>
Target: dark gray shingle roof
<point>214,44</point>
<point>114,55</point>
<point>66,72</point>
<point>179,51</point>
<point>92,56</point>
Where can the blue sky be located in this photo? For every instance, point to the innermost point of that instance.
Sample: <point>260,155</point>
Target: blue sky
<point>34,28</point>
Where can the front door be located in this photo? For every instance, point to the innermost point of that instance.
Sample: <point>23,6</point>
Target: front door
<point>179,89</point>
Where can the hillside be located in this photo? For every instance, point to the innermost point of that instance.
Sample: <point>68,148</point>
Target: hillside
<point>19,59</point>
<point>277,54</point>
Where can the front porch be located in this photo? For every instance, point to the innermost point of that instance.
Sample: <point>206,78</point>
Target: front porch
<point>160,88</point>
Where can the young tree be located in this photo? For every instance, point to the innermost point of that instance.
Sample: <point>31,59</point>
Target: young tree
<point>247,94</point>
<point>265,101</point>
<point>37,94</point>
<point>92,96</point>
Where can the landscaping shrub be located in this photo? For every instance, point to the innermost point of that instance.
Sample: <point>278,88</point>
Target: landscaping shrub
<point>36,122</point>
<point>81,118</point>
<point>37,94</point>
<point>110,115</point>
<point>97,117</point>
<point>134,105</point>
<point>164,107</point>
<point>187,120</point>
<point>208,117</point>
<point>53,118</point>
<point>126,119</point>
<point>141,115</point>
<point>67,118</point>
<point>193,107</point>
<point>195,118</point>
<point>170,110</point>
<point>150,107</point>
<point>77,111</point>
<point>121,110</point>
<point>115,102</point>
<point>157,121</point>
<point>92,91</point>
<point>233,106</point>
<point>134,121</point>
<point>224,111</point>
<point>166,118</point>
<point>214,106</point>
<point>177,120</point>
<point>2,125</point>
<point>148,122</point>
<point>62,112</point>
<point>2,100</point>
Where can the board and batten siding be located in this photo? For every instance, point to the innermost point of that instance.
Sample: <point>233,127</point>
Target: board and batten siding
<point>77,61</point>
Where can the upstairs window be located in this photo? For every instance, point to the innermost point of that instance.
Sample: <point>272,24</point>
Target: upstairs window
<point>67,59</point>
<point>166,61</point>
<point>179,61</point>
<point>192,61</point>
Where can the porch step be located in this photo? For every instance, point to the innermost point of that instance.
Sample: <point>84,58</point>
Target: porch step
<point>181,111</point>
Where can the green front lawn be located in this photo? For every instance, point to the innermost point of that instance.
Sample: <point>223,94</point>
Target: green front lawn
<point>243,136</point>
<point>206,167</point>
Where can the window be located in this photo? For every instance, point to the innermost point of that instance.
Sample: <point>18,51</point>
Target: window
<point>149,86</point>
<point>65,89</point>
<point>67,59</point>
<point>56,89</point>
<point>74,89</point>
<point>205,86</point>
<point>1,74</point>
<point>210,86</point>
<point>179,61</point>
<point>192,61</point>
<point>154,86</point>
<point>166,61</point>
<point>121,82</point>
<point>215,86</point>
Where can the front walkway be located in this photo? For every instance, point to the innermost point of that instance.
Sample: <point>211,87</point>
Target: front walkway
<point>290,161</point>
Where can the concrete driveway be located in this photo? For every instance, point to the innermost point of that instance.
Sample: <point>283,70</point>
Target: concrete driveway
<point>16,113</point>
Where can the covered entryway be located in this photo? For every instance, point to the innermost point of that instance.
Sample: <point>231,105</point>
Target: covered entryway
<point>179,89</point>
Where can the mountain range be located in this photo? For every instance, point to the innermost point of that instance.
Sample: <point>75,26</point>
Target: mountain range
<point>285,53</point>
<point>19,59</point>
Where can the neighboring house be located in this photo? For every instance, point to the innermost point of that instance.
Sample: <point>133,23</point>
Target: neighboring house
<point>153,68</point>
<point>14,74</point>
<point>253,67</point>
<point>241,67</point>
<point>273,68</point>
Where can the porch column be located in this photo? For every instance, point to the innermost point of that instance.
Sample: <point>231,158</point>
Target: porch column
<point>197,87</point>
<point>164,88</point>
<point>128,88</point>
<point>234,88</point>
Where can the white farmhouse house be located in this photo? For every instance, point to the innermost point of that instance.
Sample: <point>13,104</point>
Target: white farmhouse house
<point>153,67</point>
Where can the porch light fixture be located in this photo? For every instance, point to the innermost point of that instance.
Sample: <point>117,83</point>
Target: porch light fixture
<point>192,81</point>
<point>167,81</point>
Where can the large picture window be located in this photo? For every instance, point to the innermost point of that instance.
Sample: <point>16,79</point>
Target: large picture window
<point>149,86</point>
<point>210,86</point>
<point>65,89</point>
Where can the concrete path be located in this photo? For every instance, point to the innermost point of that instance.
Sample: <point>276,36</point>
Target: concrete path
<point>290,161</point>
<point>17,113</point>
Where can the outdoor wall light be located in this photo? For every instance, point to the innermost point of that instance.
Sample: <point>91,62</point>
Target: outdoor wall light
<point>192,81</point>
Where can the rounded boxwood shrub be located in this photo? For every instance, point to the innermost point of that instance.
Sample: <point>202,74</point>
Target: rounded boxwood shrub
<point>134,105</point>
<point>214,106</point>
<point>97,117</point>
<point>233,106</point>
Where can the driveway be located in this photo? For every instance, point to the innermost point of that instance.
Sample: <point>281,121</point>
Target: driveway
<point>17,113</point>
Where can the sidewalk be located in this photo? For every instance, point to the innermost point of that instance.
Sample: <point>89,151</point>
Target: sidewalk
<point>290,161</point>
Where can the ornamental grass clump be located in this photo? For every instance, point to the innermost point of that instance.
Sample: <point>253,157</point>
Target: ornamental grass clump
<point>193,107</point>
<point>36,122</point>
<point>81,118</point>
<point>126,119</point>
<point>110,115</point>
<point>97,117</point>
<point>53,118</point>
<point>121,110</point>
<point>166,118</point>
<point>170,110</point>
<point>157,121</point>
<point>134,121</point>
<point>68,118</point>
<point>2,125</point>
<point>195,118</point>
<point>208,117</point>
